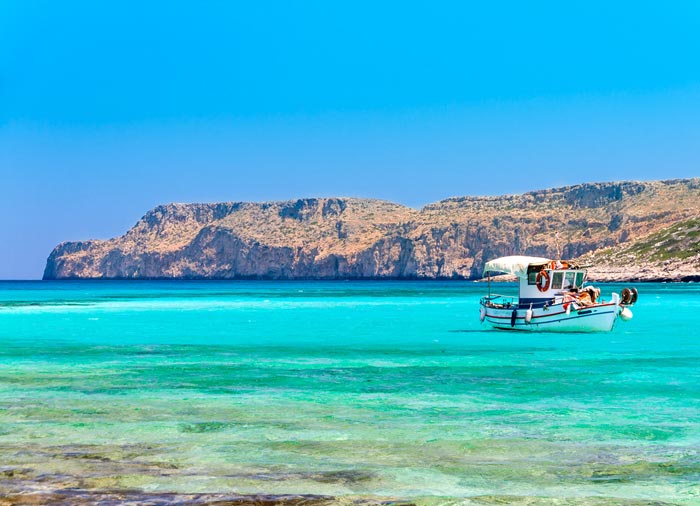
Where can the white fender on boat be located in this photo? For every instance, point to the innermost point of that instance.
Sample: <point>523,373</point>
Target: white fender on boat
<point>482,314</point>
<point>568,309</point>
<point>528,315</point>
<point>626,314</point>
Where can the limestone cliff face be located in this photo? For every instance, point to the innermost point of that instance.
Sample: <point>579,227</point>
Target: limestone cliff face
<point>671,254</point>
<point>332,238</point>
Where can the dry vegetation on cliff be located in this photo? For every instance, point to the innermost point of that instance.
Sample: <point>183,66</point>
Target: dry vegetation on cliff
<point>673,253</point>
<point>365,238</point>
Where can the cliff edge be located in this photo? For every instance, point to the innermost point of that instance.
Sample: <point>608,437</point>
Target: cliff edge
<point>341,238</point>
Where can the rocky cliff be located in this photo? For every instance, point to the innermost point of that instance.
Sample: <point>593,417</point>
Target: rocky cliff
<point>671,254</point>
<point>333,238</point>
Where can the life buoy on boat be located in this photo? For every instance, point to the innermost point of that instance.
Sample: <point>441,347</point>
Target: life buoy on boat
<point>626,297</point>
<point>542,281</point>
<point>629,296</point>
<point>557,265</point>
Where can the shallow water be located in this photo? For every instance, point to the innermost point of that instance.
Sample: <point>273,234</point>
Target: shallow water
<point>344,389</point>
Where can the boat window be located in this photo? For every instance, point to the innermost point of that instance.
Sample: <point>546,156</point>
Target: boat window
<point>532,278</point>
<point>556,279</point>
<point>579,279</point>
<point>569,280</point>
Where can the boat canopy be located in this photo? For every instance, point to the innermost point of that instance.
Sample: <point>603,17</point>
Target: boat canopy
<point>516,265</point>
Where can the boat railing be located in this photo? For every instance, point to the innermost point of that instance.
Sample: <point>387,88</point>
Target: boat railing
<point>499,301</point>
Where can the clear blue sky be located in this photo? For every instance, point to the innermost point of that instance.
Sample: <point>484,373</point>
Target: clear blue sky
<point>110,108</point>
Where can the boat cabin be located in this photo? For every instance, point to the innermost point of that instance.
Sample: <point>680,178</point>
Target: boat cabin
<point>544,282</point>
<point>540,280</point>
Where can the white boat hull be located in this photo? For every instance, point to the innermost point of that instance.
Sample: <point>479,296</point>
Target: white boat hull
<point>596,318</point>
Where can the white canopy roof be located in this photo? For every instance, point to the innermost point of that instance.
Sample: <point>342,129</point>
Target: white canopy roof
<point>516,265</point>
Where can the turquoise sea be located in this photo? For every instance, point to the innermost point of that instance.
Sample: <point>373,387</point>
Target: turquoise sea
<point>363,392</point>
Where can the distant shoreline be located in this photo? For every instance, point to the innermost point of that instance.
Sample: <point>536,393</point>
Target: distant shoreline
<point>685,279</point>
<point>629,230</point>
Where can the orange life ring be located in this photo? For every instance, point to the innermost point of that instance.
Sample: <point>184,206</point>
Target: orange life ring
<point>557,265</point>
<point>538,280</point>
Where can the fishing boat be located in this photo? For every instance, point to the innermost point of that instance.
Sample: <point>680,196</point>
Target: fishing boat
<point>553,296</point>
